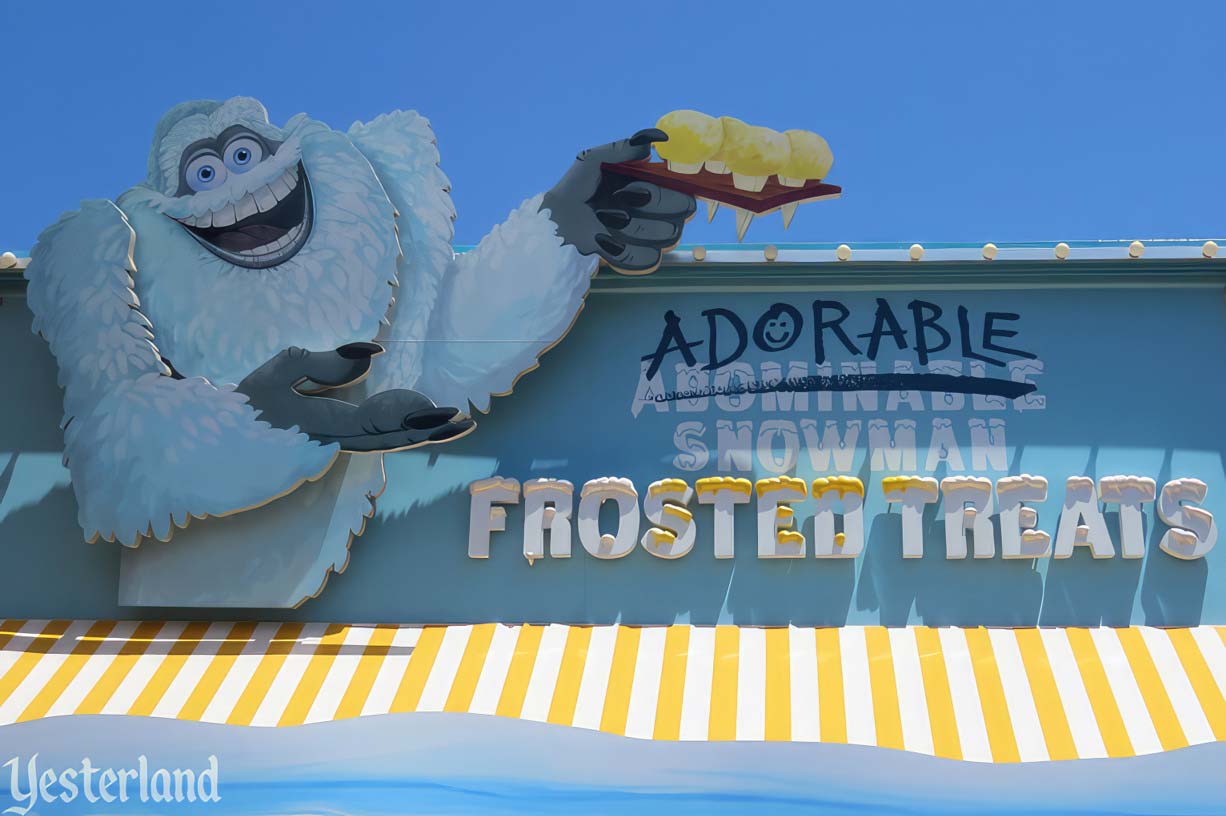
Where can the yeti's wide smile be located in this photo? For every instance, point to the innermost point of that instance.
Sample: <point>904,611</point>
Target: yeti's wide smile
<point>264,228</point>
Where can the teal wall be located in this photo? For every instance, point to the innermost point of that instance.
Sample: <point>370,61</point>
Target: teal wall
<point>1131,378</point>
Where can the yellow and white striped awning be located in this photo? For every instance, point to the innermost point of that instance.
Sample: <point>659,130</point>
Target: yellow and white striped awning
<point>989,695</point>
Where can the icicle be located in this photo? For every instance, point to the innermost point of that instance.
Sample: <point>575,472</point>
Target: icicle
<point>788,211</point>
<point>743,219</point>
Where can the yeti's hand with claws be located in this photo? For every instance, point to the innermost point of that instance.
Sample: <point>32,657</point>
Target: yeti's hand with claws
<point>283,392</point>
<point>628,223</point>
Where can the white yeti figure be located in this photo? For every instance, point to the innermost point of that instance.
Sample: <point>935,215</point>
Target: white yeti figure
<point>178,317</point>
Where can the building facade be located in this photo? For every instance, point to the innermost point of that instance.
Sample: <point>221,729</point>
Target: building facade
<point>755,518</point>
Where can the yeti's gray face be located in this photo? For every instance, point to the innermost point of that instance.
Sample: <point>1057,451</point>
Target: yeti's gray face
<point>268,224</point>
<point>251,238</point>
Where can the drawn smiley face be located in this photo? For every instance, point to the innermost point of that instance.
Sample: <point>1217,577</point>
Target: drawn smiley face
<point>778,328</point>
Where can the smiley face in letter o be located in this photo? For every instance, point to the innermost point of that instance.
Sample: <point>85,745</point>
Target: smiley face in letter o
<point>778,328</point>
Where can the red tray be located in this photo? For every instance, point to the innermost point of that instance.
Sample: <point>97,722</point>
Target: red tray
<point>718,187</point>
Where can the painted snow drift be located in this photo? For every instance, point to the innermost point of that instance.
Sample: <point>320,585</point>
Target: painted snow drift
<point>446,763</point>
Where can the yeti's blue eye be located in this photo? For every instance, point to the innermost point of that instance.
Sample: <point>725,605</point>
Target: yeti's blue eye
<point>205,172</point>
<point>243,153</point>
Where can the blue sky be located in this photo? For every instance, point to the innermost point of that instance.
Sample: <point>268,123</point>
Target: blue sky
<point>949,122</point>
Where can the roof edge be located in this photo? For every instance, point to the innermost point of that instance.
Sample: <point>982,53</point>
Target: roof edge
<point>1159,256</point>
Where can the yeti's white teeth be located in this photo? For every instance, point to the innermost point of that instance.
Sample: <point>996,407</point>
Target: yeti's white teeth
<point>265,199</point>
<point>273,247</point>
<point>285,185</point>
<point>280,188</point>
<point>257,201</point>
<point>245,208</point>
<point>224,217</point>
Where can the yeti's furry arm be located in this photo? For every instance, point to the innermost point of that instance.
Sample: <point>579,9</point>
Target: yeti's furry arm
<point>465,327</point>
<point>147,451</point>
<point>501,307</point>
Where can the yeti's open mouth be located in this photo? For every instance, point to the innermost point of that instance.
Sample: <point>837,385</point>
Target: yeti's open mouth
<point>265,228</point>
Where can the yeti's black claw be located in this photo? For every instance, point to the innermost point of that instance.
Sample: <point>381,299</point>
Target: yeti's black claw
<point>609,246</point>
<point>648,136</point>
<point>359,351</point>
<point>614,219</point>
<point>632,197</point>
<point>427,418</point>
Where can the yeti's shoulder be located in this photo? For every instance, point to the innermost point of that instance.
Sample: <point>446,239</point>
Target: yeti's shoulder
<point>403,150</point>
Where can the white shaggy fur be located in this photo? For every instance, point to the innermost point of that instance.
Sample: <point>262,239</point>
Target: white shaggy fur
<point>222,321</point>
<point>190,122</point>
<point>401,148</point>
<point>144,450</point>
<point>286,156</point>
<point>504,304</point>
<point>465,327</point>
<point>148,453</point>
